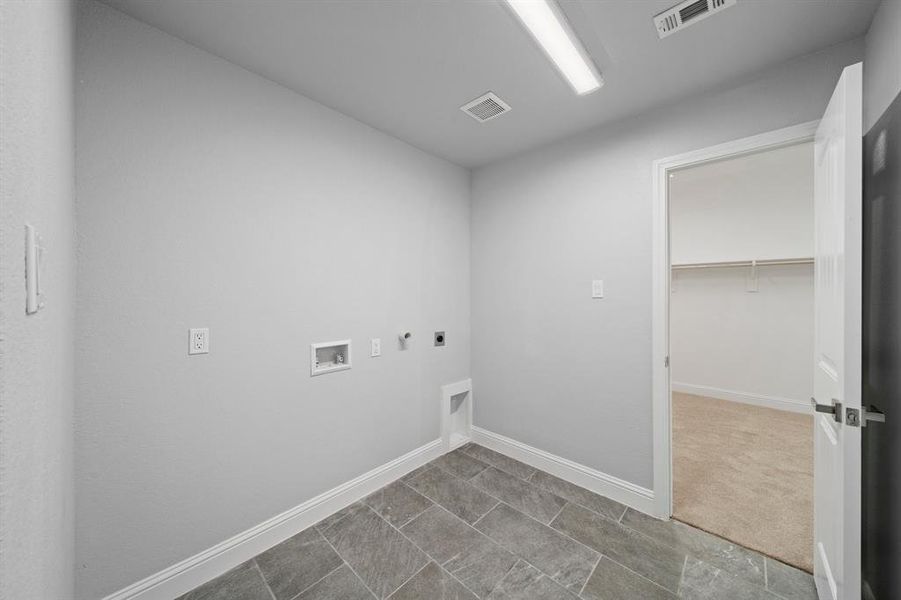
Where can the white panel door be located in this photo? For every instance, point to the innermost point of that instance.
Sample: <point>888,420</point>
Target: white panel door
<point>837,344</point>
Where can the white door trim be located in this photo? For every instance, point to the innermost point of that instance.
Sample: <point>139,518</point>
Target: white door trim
<point>660,384</point>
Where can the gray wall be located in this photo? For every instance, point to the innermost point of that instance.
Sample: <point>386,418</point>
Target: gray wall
<point>882,62</point>
<point>554,368</point>
<point>36,361</point>
<point>210,197</point>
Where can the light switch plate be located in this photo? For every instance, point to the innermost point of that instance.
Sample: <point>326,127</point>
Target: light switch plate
<point>199,341</point>
<point>375,347</point>
<point>597,288</point>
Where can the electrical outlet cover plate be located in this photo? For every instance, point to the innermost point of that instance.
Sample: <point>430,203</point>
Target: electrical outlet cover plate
<point>375,347</point>
<point>199,341</point>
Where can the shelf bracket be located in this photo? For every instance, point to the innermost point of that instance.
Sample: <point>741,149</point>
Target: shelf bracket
<point>752,280</point>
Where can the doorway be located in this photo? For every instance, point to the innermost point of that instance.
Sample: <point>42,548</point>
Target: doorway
<point>734,325</point>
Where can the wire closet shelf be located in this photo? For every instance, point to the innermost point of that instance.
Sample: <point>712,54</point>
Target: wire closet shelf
<point>744,263</point>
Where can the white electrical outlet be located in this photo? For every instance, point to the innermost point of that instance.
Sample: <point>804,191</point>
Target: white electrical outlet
<point>375,347</point>
<point>597,288</point>
<point>199,341</point>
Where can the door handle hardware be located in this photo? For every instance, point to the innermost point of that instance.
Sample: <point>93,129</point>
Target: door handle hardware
<point>858,417</point>
<point>871,414</point>
<point>834,409</point>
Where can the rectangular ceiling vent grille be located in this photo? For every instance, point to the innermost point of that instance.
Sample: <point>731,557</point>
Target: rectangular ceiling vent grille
<point>484,108</point>
<point>687,13</point>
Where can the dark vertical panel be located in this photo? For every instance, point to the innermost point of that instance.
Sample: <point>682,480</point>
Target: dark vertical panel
<point>882,356</point>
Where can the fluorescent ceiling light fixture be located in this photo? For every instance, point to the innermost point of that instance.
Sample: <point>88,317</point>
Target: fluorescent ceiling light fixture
<point>548,26</point>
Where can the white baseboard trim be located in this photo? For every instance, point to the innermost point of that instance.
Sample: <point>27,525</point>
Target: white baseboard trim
<point>200,568</point>
<point>639,498</point>
<point>789,404</point>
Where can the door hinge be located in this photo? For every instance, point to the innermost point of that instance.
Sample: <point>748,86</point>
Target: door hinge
<point>666,362</point>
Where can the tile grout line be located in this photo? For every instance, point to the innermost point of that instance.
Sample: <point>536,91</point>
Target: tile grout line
<point>545,489</point>
<point>492,541</point>
<point>417,546</point>
<point>418,493</point>
<point>681,576</point>
<point>438,503</point>
<point>491,464</point>
<point>478,489</point>
<point>477,474</point>
<point>429,466</point>
<point>581,504</point>
<point>410,578</point>
<point>619,563</point>
<point>360,579</point>
<point>566,535</point>
<point>431,558</point>
<point>699,556</point>
<point>538,488</point>
<point>554,529</point>
<point>352,570</point>
<point>263,577</point>
<point>516,555</point>
<point>473,524</point>
<point>297,595</point>
<point>565,504</point>
<point>535,471</point>
<point>499,500</point>
<point>640,576</point>
<point>411,519</point>
<point>320,530</point>
<point>590,574</point>
<point>510,570</point>
<point>471,477</point>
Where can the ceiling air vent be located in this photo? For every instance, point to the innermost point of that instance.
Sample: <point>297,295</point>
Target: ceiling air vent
<point>484,108</point>
<point>687,13</point>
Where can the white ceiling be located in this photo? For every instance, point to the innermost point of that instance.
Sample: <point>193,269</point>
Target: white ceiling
<point>405,67</point>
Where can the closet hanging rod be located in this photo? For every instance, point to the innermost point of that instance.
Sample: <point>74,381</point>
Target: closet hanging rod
<point>744,263</point>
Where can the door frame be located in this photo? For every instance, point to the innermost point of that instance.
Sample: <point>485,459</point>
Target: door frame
<point>661,385</point>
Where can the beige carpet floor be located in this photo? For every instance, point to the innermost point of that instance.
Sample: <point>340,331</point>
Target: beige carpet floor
<point>745,473</point>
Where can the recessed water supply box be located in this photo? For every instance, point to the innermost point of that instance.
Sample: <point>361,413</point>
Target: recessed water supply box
<point>328,357</point>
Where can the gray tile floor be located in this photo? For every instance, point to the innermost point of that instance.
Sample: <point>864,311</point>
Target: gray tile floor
<point>475,524</point>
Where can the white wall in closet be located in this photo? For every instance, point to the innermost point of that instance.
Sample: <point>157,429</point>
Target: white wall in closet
<point>727,341</point>
<point>758,206</point>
